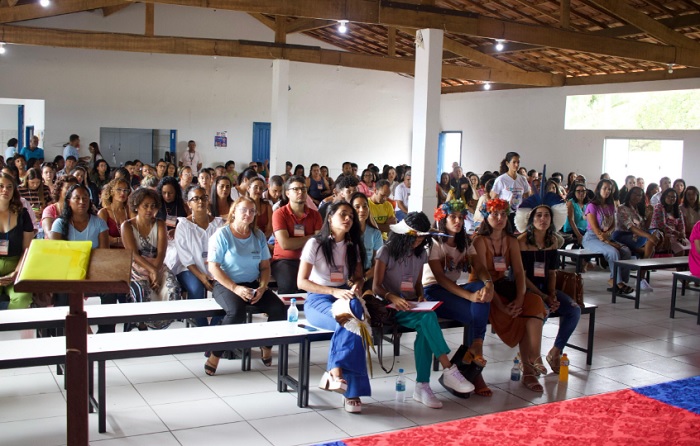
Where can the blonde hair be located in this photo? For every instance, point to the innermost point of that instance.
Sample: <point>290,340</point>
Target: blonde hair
<point>230,219</point>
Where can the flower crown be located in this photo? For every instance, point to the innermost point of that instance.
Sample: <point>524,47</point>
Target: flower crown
<point>495,204</point>
<point>451,205</point>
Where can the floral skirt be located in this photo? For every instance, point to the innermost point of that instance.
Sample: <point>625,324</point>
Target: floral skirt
<point>141,290</point>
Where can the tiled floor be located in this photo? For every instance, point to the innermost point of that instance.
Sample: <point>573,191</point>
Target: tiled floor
<point>168,400</point>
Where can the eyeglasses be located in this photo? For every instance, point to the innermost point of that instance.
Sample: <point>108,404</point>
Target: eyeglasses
<point>246,211</point>
<point>580,191</point>
<point>299,189</point>
<point>199,198</point>
<point>122,191</point>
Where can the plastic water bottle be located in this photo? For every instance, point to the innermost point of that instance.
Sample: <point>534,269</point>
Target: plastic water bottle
<point>515,371</point>
<point>400,387</point>
<point>293,312</point>
<point>564,368</point>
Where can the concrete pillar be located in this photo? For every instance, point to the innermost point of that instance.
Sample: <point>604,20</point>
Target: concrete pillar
<point>279,115</point>
<point>426,120</point>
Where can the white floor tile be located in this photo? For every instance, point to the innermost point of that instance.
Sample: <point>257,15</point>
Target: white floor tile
<point>33,384</point>
<point>240,433</point>
<point>295,429</point>
<point>373,419</point>
<point>265,405</point>
<point>161,439</point>
<point>223,384</point>
<point>174,391</point>
<point>190,414</point>
<point>34,432</point>
<point>127,422</point>
<point>157,371</point>
<point>15,408</point>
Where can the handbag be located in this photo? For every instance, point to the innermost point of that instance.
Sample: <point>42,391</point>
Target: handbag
<point>381,318</point>
<point>571,284</point>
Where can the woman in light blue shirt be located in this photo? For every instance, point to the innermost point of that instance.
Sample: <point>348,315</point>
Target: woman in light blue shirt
<point>239,261</point>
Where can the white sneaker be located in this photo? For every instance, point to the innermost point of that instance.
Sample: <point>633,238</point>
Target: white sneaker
<point>452,379</point>
<point>644,286</point>
<point>424,394</point>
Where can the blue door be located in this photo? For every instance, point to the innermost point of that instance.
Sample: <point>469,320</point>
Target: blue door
<point>261,141</point>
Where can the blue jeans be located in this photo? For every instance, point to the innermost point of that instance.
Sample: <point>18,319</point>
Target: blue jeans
<point>195,290</point>
<point>628,239</point>
<point>611,254</point>
<point>474,314</point>
<point>346,350</point>
<point>569,314</point>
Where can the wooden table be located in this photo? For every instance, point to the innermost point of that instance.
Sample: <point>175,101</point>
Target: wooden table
<point>109,271</point>
<point>579,256</point>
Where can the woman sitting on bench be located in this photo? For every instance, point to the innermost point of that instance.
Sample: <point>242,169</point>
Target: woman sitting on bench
<point>669,220</point>
<point>331,272</point>
<point>469,303</point>
<point>600,214</point>
<point>239,261</point>
<point>398,279</point>
<point>539,218</point>
<point>630,227</point>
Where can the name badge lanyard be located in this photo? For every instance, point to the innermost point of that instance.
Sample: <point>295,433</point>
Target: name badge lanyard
<point>499,261</point>
<point>540,267</point>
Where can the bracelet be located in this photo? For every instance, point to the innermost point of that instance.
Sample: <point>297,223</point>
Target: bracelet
<point>487,281</point>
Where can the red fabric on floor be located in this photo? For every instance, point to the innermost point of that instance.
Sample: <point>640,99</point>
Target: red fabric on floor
<point>618,418</point>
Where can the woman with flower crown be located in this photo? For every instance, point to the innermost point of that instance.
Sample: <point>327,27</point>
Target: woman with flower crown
<point>516,315</point>
<point>469,303</point>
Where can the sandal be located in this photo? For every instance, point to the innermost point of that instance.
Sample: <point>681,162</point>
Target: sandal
<point>623,288</point>
<point>532,384</point>
<point>266,359</point>
<point>210,368</point>
<point>353,405</point>
<point>539,367</point>
<point>333,383</point>
<point>553,361</point>
<point>470,357</point>
<point>480,386</point>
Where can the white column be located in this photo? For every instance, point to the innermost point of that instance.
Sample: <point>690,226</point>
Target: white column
<point>426,120</point>
<point>279,115</point>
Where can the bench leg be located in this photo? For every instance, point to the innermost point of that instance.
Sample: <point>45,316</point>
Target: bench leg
<point>614,285</point>
<point>591,329</point>
<point>304,364</point>
<point>578,265</point>
<point>102,396</point>
<point>282,367</point>
<point>673,296</point>
<point>638,288</point>
<point>397,344</point>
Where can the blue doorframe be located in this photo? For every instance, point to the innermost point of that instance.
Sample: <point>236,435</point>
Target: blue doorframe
<point>28,133</point>
<point>20,127</point>
<point>261,141</point>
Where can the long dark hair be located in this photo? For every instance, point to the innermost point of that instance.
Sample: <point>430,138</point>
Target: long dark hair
<point>58,186</point>
<point>355,249</point>
<point>35,174</point>
<point>214,198</point>
<point>67,212</point>
<point>16,201</point>
<point>598,199</point>
<point>672,208</point>
<point>461,240</point>
<point>95,174</point>
<point>549,237</point>
<point>696,205</point>
<point>626,202</point>
<point>179,203</point>
<point>509,156</point>
<point>370,219</point>
<point>400,246</point>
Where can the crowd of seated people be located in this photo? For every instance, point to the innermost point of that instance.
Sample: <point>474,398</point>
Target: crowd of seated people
<point>195,229</point>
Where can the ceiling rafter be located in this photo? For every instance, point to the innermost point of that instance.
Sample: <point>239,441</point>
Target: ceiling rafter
<point>261,50</point>
<point>36,11</point>
<point>417,16</point>
<point>109,10</point>
<point>647,24</point>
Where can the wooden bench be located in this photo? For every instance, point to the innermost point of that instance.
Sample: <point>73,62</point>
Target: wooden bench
<point>578,256</point>
<point>686,278</point>
<point>589,309</point>
<point>643,267</point>
<point>111,346</point>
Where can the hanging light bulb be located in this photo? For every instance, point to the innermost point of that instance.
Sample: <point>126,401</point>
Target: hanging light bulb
<point>499,45</point>
<point>45,3</point>
<point>670,68</point>
<point>2,48</point>
<point>342,26</point>
<point>487,85</point>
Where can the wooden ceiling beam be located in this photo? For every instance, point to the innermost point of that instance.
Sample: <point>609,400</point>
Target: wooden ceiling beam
<point>303,25</point>
<point>36,11</point>
<point>642,21</point>
<point>12,3</point>
<point>109,10</point>
<point>280,29</point>
<point>150,19</point>
<point>270,23</point>
<point>391,42</point>
<point>477,56</point>
<point>452,21</point>
<point>24,35</point>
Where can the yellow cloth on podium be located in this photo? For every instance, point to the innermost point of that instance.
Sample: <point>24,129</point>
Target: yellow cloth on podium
<point>56,260</point>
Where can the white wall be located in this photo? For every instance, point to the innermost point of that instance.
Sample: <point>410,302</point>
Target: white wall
<point>335,113</point>
<point>531,122</point>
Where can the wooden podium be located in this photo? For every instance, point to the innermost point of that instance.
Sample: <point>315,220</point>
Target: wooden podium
<point>109,271</point>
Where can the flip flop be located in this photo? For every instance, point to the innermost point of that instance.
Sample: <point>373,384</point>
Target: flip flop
<point>209,368</point>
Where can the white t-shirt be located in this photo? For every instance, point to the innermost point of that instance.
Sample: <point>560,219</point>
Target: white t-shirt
<point>191,160</point>
<point>452,261</point>
<point>321,270</point>
<point>511,190</point>
<point>401,194</point>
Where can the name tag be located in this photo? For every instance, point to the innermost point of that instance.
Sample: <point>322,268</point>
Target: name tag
<point>319,186</point>
<point>205,254</point>
<point>170,221</point>
<point>499,263</point>
<point>539,269</point>
<point>4,247</point>
<point>337,274</point>
<point>299,231</point>
<point>407,284</point>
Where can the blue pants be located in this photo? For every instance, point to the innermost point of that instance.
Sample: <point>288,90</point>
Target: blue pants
<point>195,290</point>
<point>611,254</point>
<point>569,314</point>
<point>628,239</point>
<point>429,340</point>
<point>474,314</point>
<point>400,215</point>
<point>346,351</point>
